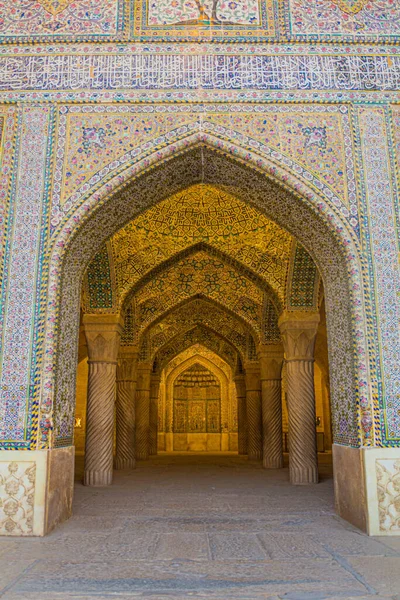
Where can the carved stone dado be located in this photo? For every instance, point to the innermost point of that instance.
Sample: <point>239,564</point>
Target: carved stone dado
<point>298,330</point>
<point>36,489</point>
<point>17,490</point>
<point>271,359</point>
<point>240,384</point>
<point>367,488</point>
<point>103,334</point>
<point>153,413</point>
<point>253,404</point>
<point>388,492</point>
<point>142,405</point>
<point>125,408</point>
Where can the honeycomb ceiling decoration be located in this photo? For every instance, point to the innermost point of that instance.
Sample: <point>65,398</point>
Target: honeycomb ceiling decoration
<point>197,376</point>
<point>198,335</point>
<point>201,213</point>
<point>198,312</point>
<point>198,274</point>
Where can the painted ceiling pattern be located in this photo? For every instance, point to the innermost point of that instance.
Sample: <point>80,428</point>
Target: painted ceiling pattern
<point>199,335</point>
<point>202,213</point>
<point>198,312</point>
<point>199,274</point>
<point>198,350</point>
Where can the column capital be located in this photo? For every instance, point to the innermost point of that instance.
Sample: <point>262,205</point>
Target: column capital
<point>240,383</point>
<point>129,352</point>
<point>145,365</point>
<point>144,371</point>
<point>103,333</point>
<point>271,359</point>
<point>155,378</point>
<point>127,363</point>
<point>298,330</point>
<point>252,375</point>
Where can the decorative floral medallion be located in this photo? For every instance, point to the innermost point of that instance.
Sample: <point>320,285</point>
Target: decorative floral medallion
<point>55,6</point>
<point>351,7</point>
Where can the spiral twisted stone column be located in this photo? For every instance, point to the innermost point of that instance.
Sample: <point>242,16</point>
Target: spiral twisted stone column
<point>143,411</point>
<point>125,408</point>
<point>153,416</point>
<point>242,413</point>
<point>271,359</point>
<point>298,333</point>
<point>253,404</point>
<point>103,334</point>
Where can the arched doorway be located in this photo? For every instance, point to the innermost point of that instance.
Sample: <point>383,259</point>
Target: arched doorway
<point>323,235</point>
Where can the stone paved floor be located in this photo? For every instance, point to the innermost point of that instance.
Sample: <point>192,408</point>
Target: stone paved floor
<point>200,527</point>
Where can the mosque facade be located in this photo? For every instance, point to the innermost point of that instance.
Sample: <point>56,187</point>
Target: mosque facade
<point>200,244</point>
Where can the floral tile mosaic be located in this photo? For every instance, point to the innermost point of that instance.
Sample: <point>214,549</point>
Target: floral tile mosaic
<point>216,20</point>
<point>342,20</point>
<point>64,19</point>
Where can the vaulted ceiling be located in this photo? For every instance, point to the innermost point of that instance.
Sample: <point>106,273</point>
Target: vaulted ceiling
<point>201,261</point>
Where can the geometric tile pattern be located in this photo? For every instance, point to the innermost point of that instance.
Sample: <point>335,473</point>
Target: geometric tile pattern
<point>198,312</point>
<point>198,274</point>
<point>202,335</point>
<point>303,280</point>
<point>100,290</point>
<point>384,261</point>
<point>199,214</point>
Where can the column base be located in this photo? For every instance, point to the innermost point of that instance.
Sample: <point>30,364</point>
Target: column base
<point>367,490</point>
<point>269,463</point>
<point>169,442</point>
<point>303,476</point>
<point>121,464</point>
<point>142,456</point>
<point>97,478</point>
<point>255,457</point>
<point>43,482</point>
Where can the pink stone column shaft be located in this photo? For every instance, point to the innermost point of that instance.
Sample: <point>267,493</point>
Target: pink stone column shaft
<point>253,404</point>
<point>125,408</point>
<point>142,405</point>
<point>298,331</point>
<point>153,416</point>
<point>242,414</point>
<point>271,359</point>
<point>103,333</point>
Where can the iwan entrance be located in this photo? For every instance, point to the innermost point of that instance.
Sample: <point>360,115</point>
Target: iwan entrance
<point>206,321</point>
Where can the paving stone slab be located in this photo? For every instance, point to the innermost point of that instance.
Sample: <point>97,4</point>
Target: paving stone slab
<point>188,546</point>
<point>236,546</point>
<point>291,545</point>
<point>381,573</point>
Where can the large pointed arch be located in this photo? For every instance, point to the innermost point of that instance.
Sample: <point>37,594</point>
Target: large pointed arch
<point>213,252</point>
<point>304,212</point>
<point>217,370</point>
<point>200,334</point>
<point>200,311</point>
